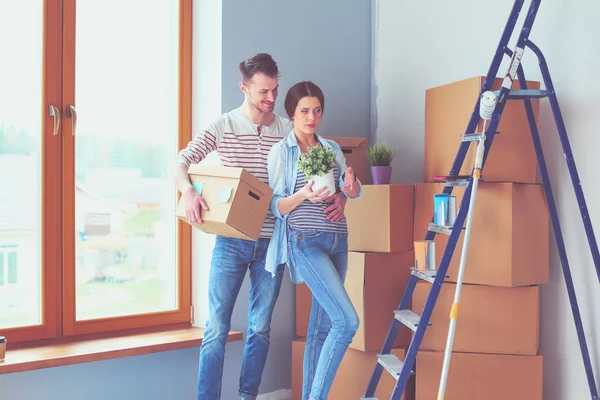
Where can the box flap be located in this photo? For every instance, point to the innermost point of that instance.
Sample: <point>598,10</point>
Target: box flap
<point>215,170</point>
<point>352,142</point>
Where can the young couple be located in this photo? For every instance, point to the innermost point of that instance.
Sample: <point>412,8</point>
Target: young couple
<point>304,229</point>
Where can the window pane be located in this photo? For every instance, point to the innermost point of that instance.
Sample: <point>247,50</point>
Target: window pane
<point>127,130</point>
<point>20,160</point>
<point>12,268</point>
<point>1,268</point>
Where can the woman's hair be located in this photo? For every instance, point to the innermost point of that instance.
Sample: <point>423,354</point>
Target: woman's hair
<point>299,91</point>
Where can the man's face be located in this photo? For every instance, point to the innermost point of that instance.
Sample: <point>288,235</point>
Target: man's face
<point>261,92</point>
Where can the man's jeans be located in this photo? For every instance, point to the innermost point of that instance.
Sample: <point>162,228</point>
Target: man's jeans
<point>230,261</point>
<point>322,259</point>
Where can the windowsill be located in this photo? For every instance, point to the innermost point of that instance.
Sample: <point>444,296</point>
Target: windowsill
<point>84,351</point>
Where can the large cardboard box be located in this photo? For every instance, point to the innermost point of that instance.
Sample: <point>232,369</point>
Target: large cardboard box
<point>355,151</point>
<point>480,376</point>
<point>352,377</point>
<point>382,219</point>
<point>509,243</point>
<point>237,201</point>
<point>490,320</point>
<point>447,111</point>
<point>375,283</point>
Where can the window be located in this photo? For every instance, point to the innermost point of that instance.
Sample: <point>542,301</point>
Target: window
<point>95,102</point>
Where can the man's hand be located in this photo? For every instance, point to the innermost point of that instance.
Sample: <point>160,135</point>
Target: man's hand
<point>194,204</point>
<point>335,211</point>
<point>351,185</point>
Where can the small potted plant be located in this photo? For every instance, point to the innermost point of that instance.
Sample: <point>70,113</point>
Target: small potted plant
<point>380,157</point>
<point>317,164</point>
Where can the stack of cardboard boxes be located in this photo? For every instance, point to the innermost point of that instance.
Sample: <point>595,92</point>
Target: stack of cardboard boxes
<point>496,346</point>
<point>379,260</point>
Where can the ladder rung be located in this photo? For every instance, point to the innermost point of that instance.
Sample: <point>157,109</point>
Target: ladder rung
<point>443,229</point>
<point>428,276</point>
<point>458,182</point>
<point>453,180</point>
<point>408,318</point>
<point>472,137</point>
<point>525,94</point>
<point>392,364</point>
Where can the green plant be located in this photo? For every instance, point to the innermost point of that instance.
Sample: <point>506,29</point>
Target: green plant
<point>381,155</point>
<point>317,161</point>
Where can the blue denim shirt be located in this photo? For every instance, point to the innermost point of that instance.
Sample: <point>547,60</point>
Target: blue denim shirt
<point>283,171</point>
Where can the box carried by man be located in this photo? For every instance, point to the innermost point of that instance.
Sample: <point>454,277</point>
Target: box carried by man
<point>237,201</point>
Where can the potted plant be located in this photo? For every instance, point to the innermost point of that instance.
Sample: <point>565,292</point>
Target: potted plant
<point>380,157</point>
<point>317,164</point>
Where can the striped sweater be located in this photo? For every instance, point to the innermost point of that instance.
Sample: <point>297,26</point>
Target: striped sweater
<point>239,143</point>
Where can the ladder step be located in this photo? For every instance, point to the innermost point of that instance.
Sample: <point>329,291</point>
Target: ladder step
<point>454,180</point>
<point>524,94</point>
<point>472,137</point>
<point>392,364</point>
<point>458,182</point>
<point>428,276</point>
<point>443,229</point>
<point>408,318</point>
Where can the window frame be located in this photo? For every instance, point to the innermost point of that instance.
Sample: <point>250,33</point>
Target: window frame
<point>58,290</point>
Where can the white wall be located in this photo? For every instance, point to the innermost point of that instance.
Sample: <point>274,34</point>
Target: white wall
<point>327,42</point>
<point>419,45</point>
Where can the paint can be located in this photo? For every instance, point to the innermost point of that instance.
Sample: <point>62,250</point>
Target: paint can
<point>425,255</point>
<point>444,209</point>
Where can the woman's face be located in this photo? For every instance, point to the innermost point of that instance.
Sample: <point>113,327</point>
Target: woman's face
<point>307,116</point>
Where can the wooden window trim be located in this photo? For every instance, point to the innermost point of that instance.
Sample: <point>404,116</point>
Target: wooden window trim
<point>58,272</point>
<point>28,358</point>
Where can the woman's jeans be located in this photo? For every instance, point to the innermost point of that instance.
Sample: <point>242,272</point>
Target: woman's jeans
<point>322,259</point>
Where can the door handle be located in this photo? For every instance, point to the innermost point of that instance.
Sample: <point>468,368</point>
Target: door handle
<point>72,113</point>
<point>54,113</point>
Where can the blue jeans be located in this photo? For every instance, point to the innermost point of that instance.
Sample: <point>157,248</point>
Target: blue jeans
<point>322,259</point>
<point>230,261</point>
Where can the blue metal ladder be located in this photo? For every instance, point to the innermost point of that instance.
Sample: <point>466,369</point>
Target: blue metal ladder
<point>401,370</point>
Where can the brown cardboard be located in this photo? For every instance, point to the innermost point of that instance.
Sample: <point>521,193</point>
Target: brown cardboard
<point>355,151</point>
<point>243,215</point>
<point>490,319</point>
<point>480,376</point>
<point>382,219</point>
<point>509,244</point>
<point>375,283</point>
<point>448,109</point>
<point>352,377</point>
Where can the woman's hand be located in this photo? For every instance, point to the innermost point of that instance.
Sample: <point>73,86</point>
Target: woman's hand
<point>315,197</point>
<point>351,185</point>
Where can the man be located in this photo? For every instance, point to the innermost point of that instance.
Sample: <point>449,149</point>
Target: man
<point>242,138</point>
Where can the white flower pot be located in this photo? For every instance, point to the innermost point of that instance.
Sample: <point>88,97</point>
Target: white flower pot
<point>326,180</point>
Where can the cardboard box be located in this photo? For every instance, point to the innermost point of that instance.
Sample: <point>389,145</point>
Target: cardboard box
<point>509,243</point>
<point>382,219</point>
<point>448,109</point>
<point>375,283</point>
<point>237,201</point>
<point>490,320</point>
<point>355,150</point>
<point>352,377</point>
<point>480,376</point>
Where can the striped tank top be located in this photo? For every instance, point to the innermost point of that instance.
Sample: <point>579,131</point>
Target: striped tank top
<point>310,216</point>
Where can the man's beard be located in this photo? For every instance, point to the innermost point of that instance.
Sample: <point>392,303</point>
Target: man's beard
<point>259,106</point>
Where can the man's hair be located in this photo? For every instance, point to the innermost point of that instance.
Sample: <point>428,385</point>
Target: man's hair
<point>258,63</point>
<point>299,91</point>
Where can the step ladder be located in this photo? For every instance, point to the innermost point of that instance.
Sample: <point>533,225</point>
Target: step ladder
<point>402,370</point>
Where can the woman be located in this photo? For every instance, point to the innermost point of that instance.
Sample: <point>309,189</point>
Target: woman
<point>315,249</point>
